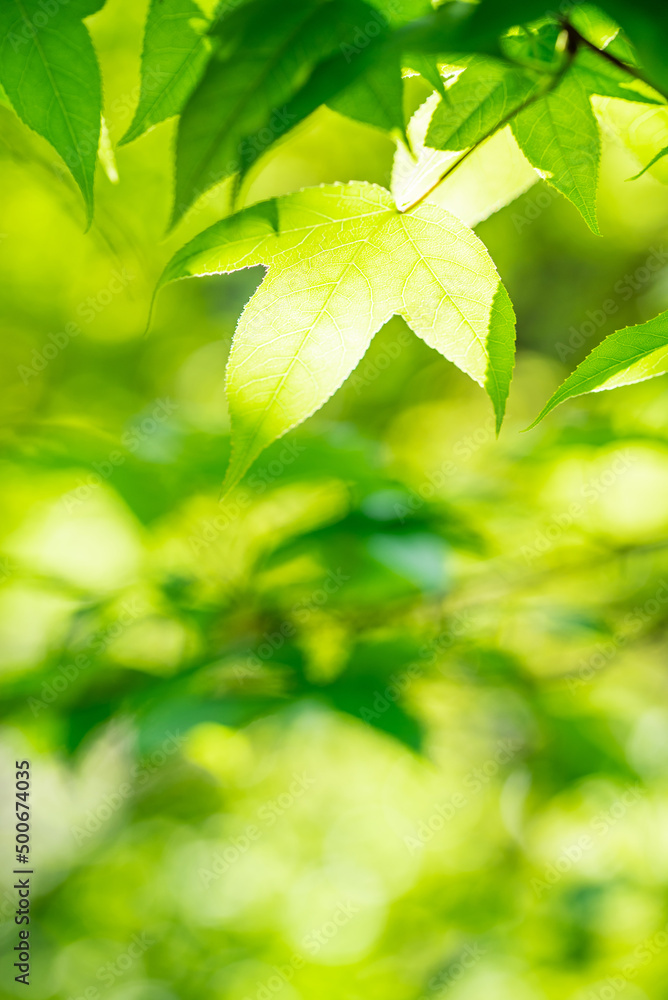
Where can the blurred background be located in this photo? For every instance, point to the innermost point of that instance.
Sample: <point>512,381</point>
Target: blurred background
<point>391,721</point>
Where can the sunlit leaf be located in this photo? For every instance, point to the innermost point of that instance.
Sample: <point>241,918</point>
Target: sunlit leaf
<point>559,135</point>
<point>493,175</point>
<point>476,104</point>
<point>342,260</point>
<point>599,76</point>
<point>633,354</point>
<point>428,68</point>
<point>655,159</point>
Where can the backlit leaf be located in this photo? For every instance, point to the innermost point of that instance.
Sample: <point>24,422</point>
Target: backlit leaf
<point>559,135</point>
<point>342,260</point>
<point>633,354</point>
<point>494,174</point>
<point>476,104</point>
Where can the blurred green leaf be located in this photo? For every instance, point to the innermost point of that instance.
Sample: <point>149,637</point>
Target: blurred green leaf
<point>375,97</point>
<point>655,159</point>
<point>428,68</point>
<point>599,76</point>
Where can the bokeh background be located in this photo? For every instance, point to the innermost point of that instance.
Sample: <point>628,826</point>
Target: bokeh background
<point>391,721</point>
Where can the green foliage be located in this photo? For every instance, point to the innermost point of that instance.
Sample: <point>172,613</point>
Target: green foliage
<point>342,261</point>
<point>483,98</point>
<point>49,71</point>
<point>404,664</point>
<point>375,96</point>
<point>655,159</point>
<point>630,355</point>
<point>559,136</point>
<point>173,58</point>
<point>243,79</point>
<point>239,105</point>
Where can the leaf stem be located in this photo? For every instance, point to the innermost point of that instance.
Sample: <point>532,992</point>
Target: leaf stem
<point>575,39</point>
<point>554,82</point>
<point>608,56</point>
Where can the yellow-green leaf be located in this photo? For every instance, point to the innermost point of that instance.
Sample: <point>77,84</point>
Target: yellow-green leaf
<point>630,355</point>
<point>341,261</point>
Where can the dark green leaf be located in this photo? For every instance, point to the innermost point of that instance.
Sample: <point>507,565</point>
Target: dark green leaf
<point>240,105</point>
<point>479,101</point>
<point>172,62</point>
<point>375,97</point>
<point>49,71</point>
<point>559,136</point>
<point>428,68</point>
<point>601,76</point>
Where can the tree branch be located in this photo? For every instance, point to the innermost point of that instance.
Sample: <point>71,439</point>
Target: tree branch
<point>575,39</point>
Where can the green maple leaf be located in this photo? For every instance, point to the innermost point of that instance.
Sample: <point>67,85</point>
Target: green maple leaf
<point>556,129</point>
<point>375,97</point>
<point>559,135</point>
<point>633,354</point>
<point>599,76</point>
<point>428,68</point>
<point>173,59</point>
<point>477,103</point>
<point>49,71</point>
<point>241,104</point>
<point>341,261</point>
